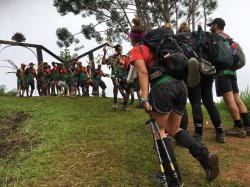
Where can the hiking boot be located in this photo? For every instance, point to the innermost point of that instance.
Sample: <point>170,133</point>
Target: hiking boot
<point>247,129</point>
<point>125,108</point>
<point>104,95</point>
<point>236,132</point>
<point>220,137</point>
<point>198,138</point>
<point>193,78</point>
<point>114,106</point>
<point>158,177</point>
<point>210,164</point>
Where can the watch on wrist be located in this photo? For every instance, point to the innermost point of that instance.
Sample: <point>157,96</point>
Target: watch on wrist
<point>143,100</point>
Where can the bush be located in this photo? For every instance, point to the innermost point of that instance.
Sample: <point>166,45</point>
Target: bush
<point>2,90</point>
<point>12,93</point>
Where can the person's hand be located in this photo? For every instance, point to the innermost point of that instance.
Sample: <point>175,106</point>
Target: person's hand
<point>167,55</point>
<point>147,107</point>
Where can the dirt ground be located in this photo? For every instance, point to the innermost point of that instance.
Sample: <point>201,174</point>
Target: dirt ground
<point>9,125</point>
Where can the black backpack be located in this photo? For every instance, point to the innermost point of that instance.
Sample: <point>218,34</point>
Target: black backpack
<point>162,42</point>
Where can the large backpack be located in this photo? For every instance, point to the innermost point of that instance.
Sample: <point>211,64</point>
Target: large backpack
<point>218,51</point>
<point>239,59</point>
<point>161,41</point>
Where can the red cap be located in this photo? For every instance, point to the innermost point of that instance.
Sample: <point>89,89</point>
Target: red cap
<point>23,65</point>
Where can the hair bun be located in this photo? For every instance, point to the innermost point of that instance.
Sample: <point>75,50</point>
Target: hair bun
<point>136,21</point>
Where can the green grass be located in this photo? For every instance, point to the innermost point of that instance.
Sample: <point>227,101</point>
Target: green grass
<point>84,142</point>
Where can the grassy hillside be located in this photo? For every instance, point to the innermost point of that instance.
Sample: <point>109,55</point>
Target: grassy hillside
<point>54,141</point>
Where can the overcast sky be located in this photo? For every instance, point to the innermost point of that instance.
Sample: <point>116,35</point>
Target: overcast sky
<point>38,21</point>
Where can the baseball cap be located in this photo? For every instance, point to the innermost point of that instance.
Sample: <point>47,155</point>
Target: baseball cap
<point>31,64</point>
<point>218,21</point>
<point>23,65</point>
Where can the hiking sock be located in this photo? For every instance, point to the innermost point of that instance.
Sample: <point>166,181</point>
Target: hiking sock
<point>218,128</point>
<point>172,181</point>
<point>132,99</point>
<point>245,119</point>
<point>184,120</point>
<point>238,123</point>
<point>125,104</point>
<point>198,128</point>
<point>186,140</point>
<point>115,98</point>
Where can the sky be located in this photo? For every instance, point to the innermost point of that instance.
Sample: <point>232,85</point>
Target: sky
<point>38,21</point>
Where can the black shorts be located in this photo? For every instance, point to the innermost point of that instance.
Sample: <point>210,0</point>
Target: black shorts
<point>226,83</point>
<point>32,85</point>
<point>169,96</point>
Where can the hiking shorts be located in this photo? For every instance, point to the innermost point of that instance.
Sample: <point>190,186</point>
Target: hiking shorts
<point>71,81</point>
<point>226,83</point>
<point>32,85</point>
<point>168,96</point>
<point>62,83</point>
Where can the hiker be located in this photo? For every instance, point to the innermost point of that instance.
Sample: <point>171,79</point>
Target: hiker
<point>81,82</point>
<point>97,81</point>
<point>113,61</point>
<point>165,103</point>
<point>47,71</point>
<point>30,73</point>
<point>120,73</point>
<point>62,79</point>
<point>54,78</point>
<point>227,87</point>
<point>21,80</point>
<point>203,91</point>
<point>88,79</point>
<point>70,78</point>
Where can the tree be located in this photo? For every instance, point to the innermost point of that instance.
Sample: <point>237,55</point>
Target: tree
<point>198,9</point>
<point>66,56</point>
<point>2,90</point>
<point>116,15</point>
<point>18,37</point>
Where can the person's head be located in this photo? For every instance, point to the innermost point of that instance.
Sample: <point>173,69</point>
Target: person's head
<point>31,65</point>
<point>23,66</point>
<point>99,66</point>
<point>217,24</point>
<point>118,49</point>
<point>53,64</point>
<point>45,64</point>
<point>183,27</point>
<point>137,32</point>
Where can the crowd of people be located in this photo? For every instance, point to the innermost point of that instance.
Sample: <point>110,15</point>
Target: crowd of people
<point>164,98</point>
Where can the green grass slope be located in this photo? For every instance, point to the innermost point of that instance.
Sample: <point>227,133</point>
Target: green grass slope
<point>84,142</point>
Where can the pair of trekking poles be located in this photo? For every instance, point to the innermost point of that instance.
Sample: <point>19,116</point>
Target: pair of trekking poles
<point>155,130</point>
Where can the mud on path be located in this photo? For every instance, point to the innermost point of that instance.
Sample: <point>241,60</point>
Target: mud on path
<point>11,141</point>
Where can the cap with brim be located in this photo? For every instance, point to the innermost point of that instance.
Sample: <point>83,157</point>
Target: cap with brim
<point>31,64</point>
<point>23,65</point>
<point>218,21</point>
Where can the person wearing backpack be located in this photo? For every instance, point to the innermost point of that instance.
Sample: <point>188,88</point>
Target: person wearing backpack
<point>165,103</point>
<point>203,91</point>
<point>227,87</point>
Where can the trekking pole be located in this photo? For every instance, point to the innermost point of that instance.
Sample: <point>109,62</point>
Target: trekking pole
<point>150,122</point>
<point>155,128</point>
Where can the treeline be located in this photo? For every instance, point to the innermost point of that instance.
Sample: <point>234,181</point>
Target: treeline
<point>3,91</point>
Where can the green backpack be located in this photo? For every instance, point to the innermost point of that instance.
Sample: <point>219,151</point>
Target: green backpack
<point>219,51</point>
<point>239,59</point>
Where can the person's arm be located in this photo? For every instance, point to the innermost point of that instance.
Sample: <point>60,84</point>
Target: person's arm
<point>104,55</point>
<point>143,80</point>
